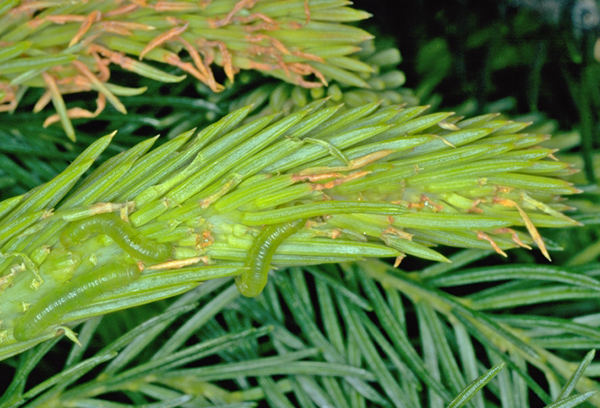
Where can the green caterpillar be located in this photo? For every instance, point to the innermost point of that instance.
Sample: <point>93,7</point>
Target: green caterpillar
<point>130,240</point>
<point>253,280</point>
<point>50,309</point>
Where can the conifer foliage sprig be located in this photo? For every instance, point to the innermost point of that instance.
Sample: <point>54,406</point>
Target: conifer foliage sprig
<point>356,346</point>
<point>68,47</point>
<point>321,185</point>
<point>381,82</point>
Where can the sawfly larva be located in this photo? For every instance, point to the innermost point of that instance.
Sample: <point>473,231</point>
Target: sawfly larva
<point>253,280</point>
<point>50,309</point>
<point>130,240</point>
